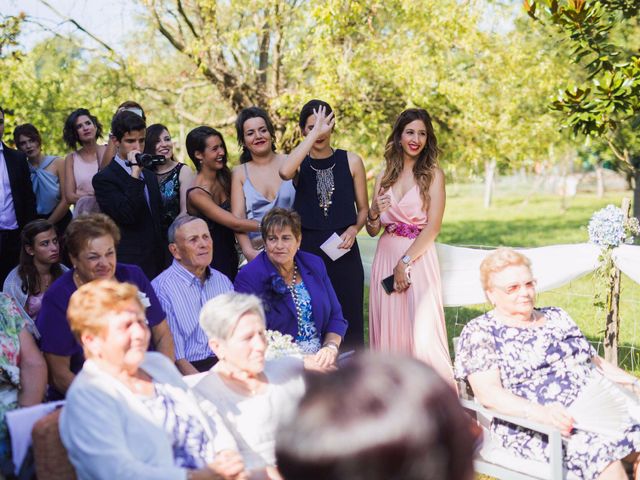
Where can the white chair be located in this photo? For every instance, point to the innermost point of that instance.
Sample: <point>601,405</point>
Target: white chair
<point>493,460</point>
<point>497,462</point>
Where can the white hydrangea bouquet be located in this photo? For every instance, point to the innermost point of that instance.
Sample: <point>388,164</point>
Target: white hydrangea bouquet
<point>281,345</point>
<point>609,228</point>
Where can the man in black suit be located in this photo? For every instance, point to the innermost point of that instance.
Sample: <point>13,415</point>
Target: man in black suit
<point>17,203</point>
<point>130,195</point>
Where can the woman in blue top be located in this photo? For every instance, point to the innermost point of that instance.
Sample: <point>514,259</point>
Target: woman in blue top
<point>47,176</point>
<point>256,186</point>
<point>295,290</point>
<point>331,197</point>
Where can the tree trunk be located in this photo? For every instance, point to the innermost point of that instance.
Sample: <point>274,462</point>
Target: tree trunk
<point>636,193</point>
<point>613,320</point>
<point>612,326</point>
<point>489,178</point>
<point>599,181</point>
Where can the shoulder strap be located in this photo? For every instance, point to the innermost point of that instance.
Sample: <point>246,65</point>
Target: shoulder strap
<point>47,161</point>
<point>246,171</point>
<point>198,188</point>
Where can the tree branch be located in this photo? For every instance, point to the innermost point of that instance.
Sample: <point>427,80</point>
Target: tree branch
<point>624,157</point>
<point>82,29</point>
<point>186,19</point>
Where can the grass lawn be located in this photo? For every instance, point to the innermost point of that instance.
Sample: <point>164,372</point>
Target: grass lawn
<point>538,220</point>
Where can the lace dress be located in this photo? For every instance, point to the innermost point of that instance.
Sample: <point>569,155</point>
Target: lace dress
<point>546,364</point>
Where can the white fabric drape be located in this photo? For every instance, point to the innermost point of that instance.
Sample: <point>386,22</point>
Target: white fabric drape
<point>552,266</point>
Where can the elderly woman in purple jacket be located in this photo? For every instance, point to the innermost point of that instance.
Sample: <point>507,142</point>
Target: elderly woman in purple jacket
<point>295,290</point>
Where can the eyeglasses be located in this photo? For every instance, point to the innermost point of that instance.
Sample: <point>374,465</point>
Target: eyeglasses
<point>515,288</point>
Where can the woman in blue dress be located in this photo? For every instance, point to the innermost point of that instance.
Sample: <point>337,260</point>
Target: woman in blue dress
<point>256,186</point>
<point>331,197</point>
<point>47,177</point>
<point>534,363</point>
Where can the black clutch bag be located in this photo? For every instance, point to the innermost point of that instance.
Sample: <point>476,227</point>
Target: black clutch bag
<point>387,284</point>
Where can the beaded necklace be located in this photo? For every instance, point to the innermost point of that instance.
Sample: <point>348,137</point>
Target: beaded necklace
<point>294,294</point>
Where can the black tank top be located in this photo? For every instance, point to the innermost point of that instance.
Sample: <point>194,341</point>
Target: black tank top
<point>331,211</point>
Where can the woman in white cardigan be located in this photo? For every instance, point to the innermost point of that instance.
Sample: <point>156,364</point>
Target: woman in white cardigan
<point>129,414</point>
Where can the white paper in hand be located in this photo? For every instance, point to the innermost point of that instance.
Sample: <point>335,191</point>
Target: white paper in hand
<point>330,247</point>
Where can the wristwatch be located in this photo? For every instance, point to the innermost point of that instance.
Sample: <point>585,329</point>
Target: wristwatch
<point>406,259</point>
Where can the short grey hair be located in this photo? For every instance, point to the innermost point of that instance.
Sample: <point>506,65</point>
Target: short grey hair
<point>221,314</point>
<point>177,223</point>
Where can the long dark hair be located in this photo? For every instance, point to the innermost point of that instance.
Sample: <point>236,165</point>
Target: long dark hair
<point>247,114</point>
<point>152,137</point>
<point>197,142</point>
<point>70,132</point>
<point>309,107</point>
<point>427,162</point>
<point>27,269</point>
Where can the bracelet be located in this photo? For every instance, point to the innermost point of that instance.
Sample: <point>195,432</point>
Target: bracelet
<point>332,345</point>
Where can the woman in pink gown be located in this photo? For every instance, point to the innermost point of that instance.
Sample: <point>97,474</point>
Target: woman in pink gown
<point>408,204</point>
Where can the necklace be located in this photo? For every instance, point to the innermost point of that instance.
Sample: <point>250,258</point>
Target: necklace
<point>77,279</point>
<point>294,294</point>
<point>325,185</point>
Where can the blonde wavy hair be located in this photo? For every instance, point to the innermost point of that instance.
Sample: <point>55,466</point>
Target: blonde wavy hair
<point>427,162</point>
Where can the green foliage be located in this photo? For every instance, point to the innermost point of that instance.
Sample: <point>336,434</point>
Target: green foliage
<point>487,90</point>
<point>371,60</point>
<point>9,32</point>
<point>606,102</point>
<point>44,86</point>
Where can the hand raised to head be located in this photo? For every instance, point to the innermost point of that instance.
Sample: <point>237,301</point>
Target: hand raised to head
<point>324,123</point>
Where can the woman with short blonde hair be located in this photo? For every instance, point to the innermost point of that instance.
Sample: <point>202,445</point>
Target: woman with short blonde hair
<point>129,414</point>
<point>533,363</point>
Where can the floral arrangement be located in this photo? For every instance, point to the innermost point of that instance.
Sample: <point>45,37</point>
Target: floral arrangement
<point>610,227</point>
<point>281,345</point>
<point>277,285</point>
<point>406,230</point>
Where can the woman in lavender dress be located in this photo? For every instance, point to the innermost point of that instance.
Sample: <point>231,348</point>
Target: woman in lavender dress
<point>533,363</point>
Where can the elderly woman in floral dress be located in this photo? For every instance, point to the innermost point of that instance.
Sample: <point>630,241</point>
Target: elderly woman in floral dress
<point>534,363</point>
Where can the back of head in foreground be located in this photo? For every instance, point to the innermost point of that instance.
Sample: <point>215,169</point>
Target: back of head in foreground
<point>377,418</point>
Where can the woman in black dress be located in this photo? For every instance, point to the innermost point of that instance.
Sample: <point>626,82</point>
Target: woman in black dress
<point>209,199</point>
<point>331,196</point>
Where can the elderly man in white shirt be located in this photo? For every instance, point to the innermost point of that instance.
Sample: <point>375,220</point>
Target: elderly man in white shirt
<point>185,287</point>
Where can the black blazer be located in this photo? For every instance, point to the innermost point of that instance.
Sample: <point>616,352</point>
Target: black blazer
<point>122,197</point>
<point>24,200</point>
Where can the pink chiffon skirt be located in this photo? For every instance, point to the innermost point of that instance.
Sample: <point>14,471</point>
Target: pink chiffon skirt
<point>411,322</point>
